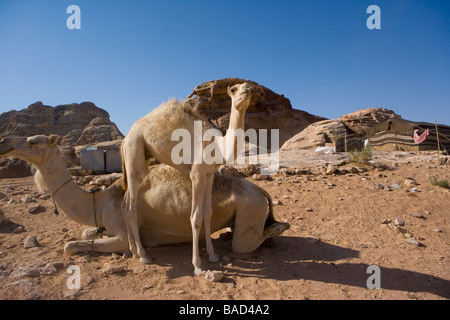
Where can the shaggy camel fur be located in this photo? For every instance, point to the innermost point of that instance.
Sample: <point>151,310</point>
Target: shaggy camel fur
<point>164,199</point>
<point>152,136</point>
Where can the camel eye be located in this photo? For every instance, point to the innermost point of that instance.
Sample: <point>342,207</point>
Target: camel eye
<point>233,90</point>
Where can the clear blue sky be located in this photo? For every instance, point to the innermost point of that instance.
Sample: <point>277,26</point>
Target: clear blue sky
<point>130,56</point>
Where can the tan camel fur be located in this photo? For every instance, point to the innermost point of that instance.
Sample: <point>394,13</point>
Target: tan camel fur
<point>152,136</point>
<point>164,203</point>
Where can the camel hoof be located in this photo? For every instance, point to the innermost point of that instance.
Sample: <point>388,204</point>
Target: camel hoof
<point>214,257</point>
<point>199,271</point>
<point>146,260</point>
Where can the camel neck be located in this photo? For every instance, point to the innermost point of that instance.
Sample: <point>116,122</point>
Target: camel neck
<point>76,203</point>
<point>237,119</point>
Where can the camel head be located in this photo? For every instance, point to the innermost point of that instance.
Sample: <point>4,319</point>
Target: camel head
<point>240,95</point>
<point>32,149</point>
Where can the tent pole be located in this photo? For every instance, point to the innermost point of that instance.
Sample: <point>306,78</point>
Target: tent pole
<point>437,136</point>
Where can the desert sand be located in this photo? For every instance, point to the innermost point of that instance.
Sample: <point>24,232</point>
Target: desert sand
<point>341,224</point>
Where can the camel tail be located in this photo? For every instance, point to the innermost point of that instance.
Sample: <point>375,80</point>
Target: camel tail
<point>124,181</point>
<point>270,217</point>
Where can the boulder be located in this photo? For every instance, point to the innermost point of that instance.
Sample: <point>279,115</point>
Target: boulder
<point>319,134</point>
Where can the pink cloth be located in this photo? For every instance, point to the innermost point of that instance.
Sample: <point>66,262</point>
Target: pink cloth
<point>422,137</point>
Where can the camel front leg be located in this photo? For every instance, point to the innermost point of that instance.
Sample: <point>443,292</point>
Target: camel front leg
<point>198,191</point>
<point>106,245</point>
<point>135,169</point>
<point>207,214</point>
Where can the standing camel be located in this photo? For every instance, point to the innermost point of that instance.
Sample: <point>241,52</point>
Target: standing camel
<point>152,136</point>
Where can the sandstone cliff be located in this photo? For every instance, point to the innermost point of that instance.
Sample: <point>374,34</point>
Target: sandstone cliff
<point>75,124</point>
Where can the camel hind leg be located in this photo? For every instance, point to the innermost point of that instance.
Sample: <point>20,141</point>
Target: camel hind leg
<point>249,228</point>
<point>135,169</point>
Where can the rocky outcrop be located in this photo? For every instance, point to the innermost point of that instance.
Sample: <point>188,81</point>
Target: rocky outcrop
<point>75,124</point>
<point>362,120</point>
<point>267,110</point>
<point>352,127</point>
<point>319,134</point>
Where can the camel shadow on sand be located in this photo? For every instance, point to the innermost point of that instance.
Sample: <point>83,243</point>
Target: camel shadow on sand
<point>298,259</point>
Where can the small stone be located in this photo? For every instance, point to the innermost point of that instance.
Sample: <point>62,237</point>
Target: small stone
<point>399,222</point>
<point>309,209</point>
<point>410,182</point>
<point>278,203</point>
<point>147,287</point>
<point>36,209</point>
<point>286,196</point>
<point>396,186</point>
<point>378,186</point>
<point>213,276</point>
<point>330,169</point>
<point>108,268</point>
<point>413,242</point>
<point>19,229</point>
<point>30,242</point>
<point>418,215</point>
<point>312,239</point>
<point>436,230</point>
<point>258,176</point>
<point>28,199</point>
<point>414,190</point>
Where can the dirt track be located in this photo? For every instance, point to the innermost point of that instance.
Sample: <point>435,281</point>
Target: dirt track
<point>340,225</point>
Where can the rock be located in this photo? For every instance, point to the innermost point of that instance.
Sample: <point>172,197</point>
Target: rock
<point>309,209</point>
<point>330,169</point>
<point>11,167</point>
<point>28,199</point>
<point>396,186</point>
<point>278,203</point>
<point>418,215</point>
<point>24,272</point>
<point>413,242</point>
<point>109,268</point>
<point>258,176</point>
<point>410,182</point>
<point>2,216</point>
<point>399,222</point>
<point>312,239</point>
<point>318,134</point>
<point>414,190</point>
<point>36,209</point>
<point>362,120</point>
<point>22,289</point>
<point>19,229</point>
<point>30,242</point>
<point>75,124</point>
<point>213,276</point>
<point>380,186</point>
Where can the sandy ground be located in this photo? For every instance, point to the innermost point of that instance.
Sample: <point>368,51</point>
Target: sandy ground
<point>340,225</point>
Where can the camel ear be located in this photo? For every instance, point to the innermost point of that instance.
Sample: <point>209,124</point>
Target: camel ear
<point>229,91</point>
<point>52,139</point>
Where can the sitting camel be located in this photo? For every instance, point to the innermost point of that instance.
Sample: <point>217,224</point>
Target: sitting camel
<point>164,199</point>
<point>152,136</point>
